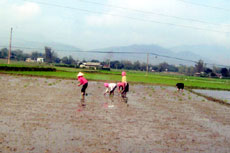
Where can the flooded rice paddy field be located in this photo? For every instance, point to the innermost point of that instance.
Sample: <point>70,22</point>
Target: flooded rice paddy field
<point>223,95</point>
<point>47,115</point>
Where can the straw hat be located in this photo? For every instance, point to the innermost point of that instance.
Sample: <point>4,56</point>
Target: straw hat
<point>80,74</point>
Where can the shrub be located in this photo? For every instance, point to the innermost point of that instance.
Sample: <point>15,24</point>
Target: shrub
<point>9,68</point>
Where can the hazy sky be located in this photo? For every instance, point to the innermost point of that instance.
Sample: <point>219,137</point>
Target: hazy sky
<point>90,26</point>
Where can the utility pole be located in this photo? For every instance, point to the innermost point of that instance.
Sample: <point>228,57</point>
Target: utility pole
<point>9,53</point>
<point>147,66</point>
<point>109,63</point>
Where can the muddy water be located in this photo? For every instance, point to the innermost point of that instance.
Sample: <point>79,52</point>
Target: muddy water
<point>223,95</point>
<point>48,115</point>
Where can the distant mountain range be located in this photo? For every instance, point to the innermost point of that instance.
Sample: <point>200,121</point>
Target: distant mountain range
<point>217,54</point>
<point>210,54</point>
<point>154,59</point>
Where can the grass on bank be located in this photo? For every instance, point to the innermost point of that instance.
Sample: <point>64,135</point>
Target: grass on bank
<point>137,78</point>
<point>132,76</point>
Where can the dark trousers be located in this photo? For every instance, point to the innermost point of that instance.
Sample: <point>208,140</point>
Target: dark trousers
<point>84,88</point>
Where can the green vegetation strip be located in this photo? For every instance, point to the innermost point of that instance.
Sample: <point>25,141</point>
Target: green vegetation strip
<point>25,68</point>
<point>133,77</point>
<point>115,76</point>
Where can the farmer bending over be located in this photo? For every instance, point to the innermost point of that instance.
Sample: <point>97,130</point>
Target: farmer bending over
<point>123,88</point>
<point>110,88</point>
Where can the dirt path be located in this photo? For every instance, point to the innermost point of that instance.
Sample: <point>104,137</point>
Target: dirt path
<point>46,115</point>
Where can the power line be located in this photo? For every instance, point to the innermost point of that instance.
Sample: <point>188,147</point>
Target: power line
<point>133,18</point>
<point>187,60</point>
<point>181,59</point>
<point>116,52</point>
<point>149,12</point>
<point>204,5</point>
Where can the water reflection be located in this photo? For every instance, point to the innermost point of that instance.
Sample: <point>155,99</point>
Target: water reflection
<point>83,104</point>
<point>125,99</point>
<point>111,98</point>
<point>223,95</point>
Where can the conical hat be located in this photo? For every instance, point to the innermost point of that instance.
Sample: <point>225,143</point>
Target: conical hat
<point>80,74</point>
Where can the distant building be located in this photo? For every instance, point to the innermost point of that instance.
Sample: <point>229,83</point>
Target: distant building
<point>219,75</point>
<point>93,65</point>
<point>40,60</point>
<point>30,60</point>
<point>197,74</point>
<point>201,74</point>
<point>106,67</point>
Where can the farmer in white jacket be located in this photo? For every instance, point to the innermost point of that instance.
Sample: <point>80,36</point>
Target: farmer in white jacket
<point>110,88</point>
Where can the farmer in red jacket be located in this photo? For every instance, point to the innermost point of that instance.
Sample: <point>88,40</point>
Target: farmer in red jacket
<point>83,82</point>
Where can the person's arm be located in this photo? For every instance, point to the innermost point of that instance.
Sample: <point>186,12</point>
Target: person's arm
<point>80,82</point>
<point>122,90</point>
<point>106,91</point>
<point>118,88</point>
<point>123,87</point>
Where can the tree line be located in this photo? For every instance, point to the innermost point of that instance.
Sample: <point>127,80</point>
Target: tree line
<point>50,56</point>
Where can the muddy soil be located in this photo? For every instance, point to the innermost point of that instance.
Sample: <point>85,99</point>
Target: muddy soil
<point>47,115</point>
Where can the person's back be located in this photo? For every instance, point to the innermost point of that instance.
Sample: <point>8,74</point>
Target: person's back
<point>123,78</point>
<point>180,86</point>
<point>110,87</point>
<point>82,80</point>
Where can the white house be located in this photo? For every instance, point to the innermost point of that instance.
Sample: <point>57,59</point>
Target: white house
<point>91,65</point>
<point>40,60</point>
<point>30,60</point>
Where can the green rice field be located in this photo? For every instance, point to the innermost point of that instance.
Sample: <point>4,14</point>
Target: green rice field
<point>132,77</point>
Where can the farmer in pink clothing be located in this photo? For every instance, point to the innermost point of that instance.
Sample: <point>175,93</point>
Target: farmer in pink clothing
<point>83,82</point>
<point>122,88</point>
